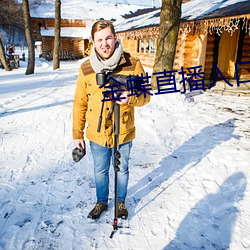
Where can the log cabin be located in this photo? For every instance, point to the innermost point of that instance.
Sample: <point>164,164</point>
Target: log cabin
<point>74,37</point>
<point>77,19</point>
<point>210,33</point>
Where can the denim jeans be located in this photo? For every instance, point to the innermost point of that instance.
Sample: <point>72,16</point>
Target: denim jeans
<point>102,157</point>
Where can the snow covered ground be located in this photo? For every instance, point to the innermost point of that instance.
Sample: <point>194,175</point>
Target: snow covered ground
<point>189,170</point>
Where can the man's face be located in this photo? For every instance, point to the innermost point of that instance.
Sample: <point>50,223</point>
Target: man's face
<point>104,42</point>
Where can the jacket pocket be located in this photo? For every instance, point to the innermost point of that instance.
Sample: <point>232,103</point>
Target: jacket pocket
<point>127,120</point>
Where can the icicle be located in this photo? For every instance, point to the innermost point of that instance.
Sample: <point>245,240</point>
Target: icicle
<point>205,28</point>
<point>209,26</point>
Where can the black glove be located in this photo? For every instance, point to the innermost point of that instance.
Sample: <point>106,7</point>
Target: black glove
<point>78,153</point>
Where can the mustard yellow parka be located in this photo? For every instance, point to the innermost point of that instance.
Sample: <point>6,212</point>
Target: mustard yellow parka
<point>88,101</point>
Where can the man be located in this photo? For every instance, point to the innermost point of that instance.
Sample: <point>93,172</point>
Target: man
<point>107,54</point>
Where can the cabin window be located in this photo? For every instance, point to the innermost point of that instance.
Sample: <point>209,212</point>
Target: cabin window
<point>146,45</point>
<point>140,45</point>
<point>152,45</point>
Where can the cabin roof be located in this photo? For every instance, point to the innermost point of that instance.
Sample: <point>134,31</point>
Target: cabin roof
<point>208,9</point>
<point>84,10</point>
<point>77,32</point>
<point>193,10</point>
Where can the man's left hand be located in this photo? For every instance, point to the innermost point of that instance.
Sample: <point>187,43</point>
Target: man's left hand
<point>124,96</point>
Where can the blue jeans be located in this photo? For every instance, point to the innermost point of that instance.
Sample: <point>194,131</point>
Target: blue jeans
<point>102,158</point>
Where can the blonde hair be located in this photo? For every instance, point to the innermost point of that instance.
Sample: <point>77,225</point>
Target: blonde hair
<point>101,24</point>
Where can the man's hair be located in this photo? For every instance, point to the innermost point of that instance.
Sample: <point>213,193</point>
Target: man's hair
<point>101,24</point>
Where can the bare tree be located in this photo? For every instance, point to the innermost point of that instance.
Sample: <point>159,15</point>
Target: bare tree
<point>11,16</point>
<point>36,3</point>
<point>3,57</point>
<point>168,34</point>
<point>56,59</point>
<point>28,33</point>
<point>11,23</point>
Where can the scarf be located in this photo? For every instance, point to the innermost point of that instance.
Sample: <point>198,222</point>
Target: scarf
<point>98,64</point>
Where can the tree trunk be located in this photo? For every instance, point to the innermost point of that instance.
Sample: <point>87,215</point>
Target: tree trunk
<point>28,33</point>
<point>56,59</point>
<point>3,57</point>
<point>168,35</point>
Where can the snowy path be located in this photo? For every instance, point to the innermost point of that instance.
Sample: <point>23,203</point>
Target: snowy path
<point>189,171</point>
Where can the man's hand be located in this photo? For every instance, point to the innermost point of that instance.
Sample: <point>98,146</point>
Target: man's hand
<point>79,151</point>
<point>124,100</point>
<point>79,143</point>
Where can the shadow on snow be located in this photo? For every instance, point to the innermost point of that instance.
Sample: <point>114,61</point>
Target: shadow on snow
<point>214,220</point>
<point>190,153</point>
<point>209,225</point>
<point>23,110</point>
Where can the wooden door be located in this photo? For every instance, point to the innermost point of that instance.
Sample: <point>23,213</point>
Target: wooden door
<point>228,53</point>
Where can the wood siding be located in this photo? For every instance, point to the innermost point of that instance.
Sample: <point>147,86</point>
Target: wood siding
<point>209,55</point>
<point>245,68</point>
<point>75,46</point>
<point>228,47</point>
<point>198,47</point>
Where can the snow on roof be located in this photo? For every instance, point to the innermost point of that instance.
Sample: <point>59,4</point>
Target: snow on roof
<point>85,10</point>
<point>192,10</point>
<point>197,9</point>
<point>138,2</point>
<point>80,32</point>
<point>145,20</point>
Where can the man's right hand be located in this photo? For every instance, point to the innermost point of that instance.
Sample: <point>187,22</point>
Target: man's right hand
<point>79,143</point>
<point>78,152</point>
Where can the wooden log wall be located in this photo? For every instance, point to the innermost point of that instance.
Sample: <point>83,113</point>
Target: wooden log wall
<point>79,46</point>
<point>187,51</point>
<point>47,45</point>
<point>50,22</point>
<point>179,55</point>
<point>146,59</point>
<point>245,68</point>
<point>73,45</point>
<point>190,52</point>
<point>131,46</point>
<point>66,44</point>
<point>209,55</point>
<point>212,53</point>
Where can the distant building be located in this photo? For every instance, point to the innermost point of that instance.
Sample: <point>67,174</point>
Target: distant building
<point>77,19</point>
<point>74,37</point>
